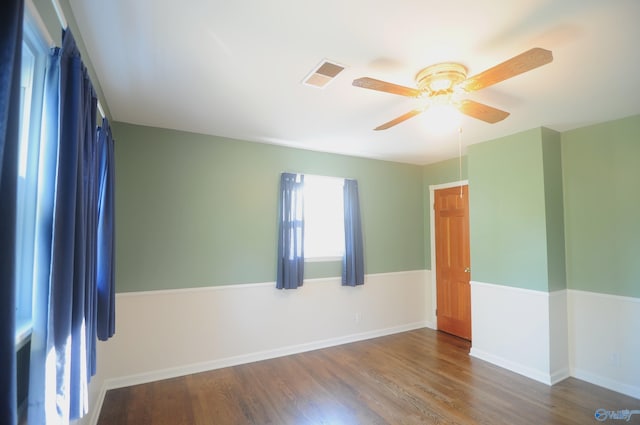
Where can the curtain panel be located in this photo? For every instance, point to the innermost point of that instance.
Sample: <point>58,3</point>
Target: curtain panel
<point>290,265</point>
<point>353,260</point>
<point>11,14</point>
<point>69,257</point>
<point>106,308</point>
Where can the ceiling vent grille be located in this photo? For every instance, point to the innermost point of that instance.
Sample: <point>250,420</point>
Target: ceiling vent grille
<point>323,74</point>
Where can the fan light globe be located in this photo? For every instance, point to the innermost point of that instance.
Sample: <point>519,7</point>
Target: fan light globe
<point>442,118</point>
<point>441,78</point>
<point>438,85</point>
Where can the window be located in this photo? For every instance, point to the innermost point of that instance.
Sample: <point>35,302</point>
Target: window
<point>323,218</point>
<point>34,54</point>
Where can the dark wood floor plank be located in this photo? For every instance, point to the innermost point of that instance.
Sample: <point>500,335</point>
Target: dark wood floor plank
<point>417,377</point>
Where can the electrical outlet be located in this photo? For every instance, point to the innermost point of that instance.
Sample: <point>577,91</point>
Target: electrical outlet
<point>356,317</point>
<point>614,359</point>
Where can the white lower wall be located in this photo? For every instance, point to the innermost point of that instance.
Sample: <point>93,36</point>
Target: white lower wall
<point>511,328</point>
<point>604,340</point>
<point>545,336</point>
<point>164,334</point>
<point>550,336</point>
<point>558,336</point>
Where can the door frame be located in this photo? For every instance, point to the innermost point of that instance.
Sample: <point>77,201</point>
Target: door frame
<point>432,230</point>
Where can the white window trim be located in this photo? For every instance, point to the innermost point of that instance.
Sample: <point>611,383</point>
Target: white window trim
<point>323,259</point>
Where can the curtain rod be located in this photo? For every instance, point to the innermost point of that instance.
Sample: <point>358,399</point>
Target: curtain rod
<point>64,24</point>
<point>320,175</point>
<point>60,13</point>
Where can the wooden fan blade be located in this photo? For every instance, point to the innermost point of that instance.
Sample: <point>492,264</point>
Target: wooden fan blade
<point>400,119</point>
<point>481,111</point>
<point>373,84</point>
<point>517,65</point>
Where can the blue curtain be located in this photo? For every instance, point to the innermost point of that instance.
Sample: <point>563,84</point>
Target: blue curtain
<point>11,13</point>
<point>106,254</point>
<point>353,260</point>
<point>290,265</point>
<point>67,242</point>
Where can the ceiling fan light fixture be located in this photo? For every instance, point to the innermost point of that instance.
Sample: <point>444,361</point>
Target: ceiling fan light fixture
<point>447,84</point>
<point>441,78</point>
<point>441,99</point>
<point>440,84</point>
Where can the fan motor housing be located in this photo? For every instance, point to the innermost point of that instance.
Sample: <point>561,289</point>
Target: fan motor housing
<point>441,78</point>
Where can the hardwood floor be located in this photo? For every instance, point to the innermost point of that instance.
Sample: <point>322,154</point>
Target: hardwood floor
<point>417,377</point>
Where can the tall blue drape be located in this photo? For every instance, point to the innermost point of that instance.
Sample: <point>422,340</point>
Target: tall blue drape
<point>106,254</point>
<point>11,13</point>
<point>67,242</point>
<point>290,263</point>
<point>353,260</point>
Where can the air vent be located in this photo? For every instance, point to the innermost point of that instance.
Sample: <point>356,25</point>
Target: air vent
<point>323,74</point>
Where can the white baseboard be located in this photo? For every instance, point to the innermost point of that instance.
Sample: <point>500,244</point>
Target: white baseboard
<point>157,375</point>
<point>511,328</point>
<point>94,412</point>
<point>144,378</point>
<point>608,383</point>
<point>551,336</point>
<point>559,376</point>
<point>211,328</point>
<point>545,378</point>
<point>511,365</point>
<point>165,334</point>
<point>604,340</point>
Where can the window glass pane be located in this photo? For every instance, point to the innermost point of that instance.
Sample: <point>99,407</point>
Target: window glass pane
<point>324,217</point>
<point>23,293</point>
<point>26,90</point>
<point>34,53</point>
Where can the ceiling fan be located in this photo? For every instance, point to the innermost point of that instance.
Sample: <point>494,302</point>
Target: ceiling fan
<point>446,83</point>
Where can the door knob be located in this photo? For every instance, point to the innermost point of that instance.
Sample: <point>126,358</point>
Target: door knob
<point>467,269</point>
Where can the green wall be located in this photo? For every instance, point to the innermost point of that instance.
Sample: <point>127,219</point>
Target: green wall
<point>507,211</point>
<point>182,196</point>
<point>195,210</point>
<point>188,204</point>
<point>554,208</point>
<point>433,174</point>
<point>601,169</point>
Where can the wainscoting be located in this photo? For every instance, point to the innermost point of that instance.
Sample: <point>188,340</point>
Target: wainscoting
<point>604,340</point>
<point>165,334</point>
<point>544,336</point>
<point>513,328</point>
<point>550,336</point>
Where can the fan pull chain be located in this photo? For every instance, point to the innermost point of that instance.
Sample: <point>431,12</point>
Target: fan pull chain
<point>460,158</point>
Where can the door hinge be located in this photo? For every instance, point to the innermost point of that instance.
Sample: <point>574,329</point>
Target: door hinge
<point>436,312</point>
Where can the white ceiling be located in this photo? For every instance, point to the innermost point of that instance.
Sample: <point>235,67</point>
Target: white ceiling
<point>234,68</point>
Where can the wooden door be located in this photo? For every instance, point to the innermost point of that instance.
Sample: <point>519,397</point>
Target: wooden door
<point>452,261</point>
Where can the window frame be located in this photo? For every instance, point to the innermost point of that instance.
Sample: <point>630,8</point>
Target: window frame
<point>34,45</point>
